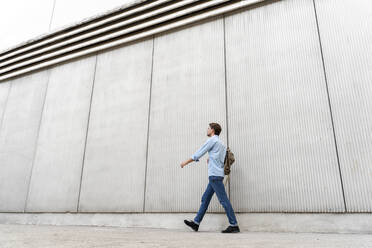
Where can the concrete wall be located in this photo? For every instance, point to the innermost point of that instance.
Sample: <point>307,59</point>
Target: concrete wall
<point>18,137</point>
<point>188,92</point>
<point>114,168</point>
<point>346,40</point>
<point>59,154</point>
<point>279,118</point>
<point>288,80</point>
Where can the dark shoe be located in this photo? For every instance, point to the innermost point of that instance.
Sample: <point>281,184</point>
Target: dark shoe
<point>231,229</point>
<point>192,224</point>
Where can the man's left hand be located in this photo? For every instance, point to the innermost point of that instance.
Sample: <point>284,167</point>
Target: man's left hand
<point>183,164</point>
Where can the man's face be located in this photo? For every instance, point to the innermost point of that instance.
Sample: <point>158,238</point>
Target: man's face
<point>210,131</point>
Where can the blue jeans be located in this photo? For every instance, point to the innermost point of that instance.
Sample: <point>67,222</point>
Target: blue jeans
<point>216,185</point>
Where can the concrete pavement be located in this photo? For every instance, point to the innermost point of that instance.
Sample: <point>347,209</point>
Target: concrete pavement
<point>42,236</point>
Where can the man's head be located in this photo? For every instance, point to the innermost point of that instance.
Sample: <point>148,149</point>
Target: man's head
<point>213,129</point>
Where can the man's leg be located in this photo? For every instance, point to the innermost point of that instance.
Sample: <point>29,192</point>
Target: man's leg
<point>206,198</point>
<point>219,188</point>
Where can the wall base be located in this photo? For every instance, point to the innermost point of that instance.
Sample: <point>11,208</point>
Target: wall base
<point>253,222</point>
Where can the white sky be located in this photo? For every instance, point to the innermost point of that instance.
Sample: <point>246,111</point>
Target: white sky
<point>21,20</point>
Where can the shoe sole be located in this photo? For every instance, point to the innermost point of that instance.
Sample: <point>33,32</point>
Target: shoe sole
<point>231,232</point>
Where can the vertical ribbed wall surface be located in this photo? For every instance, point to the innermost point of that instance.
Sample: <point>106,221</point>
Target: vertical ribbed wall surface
<point>279,118</point>
<point>345,30</point>
<point>4,92</point>
<point>114,168</point>
<point>18,137</point>
<point>188,92</point>
<point>57,164</point>
<point>107,133</point>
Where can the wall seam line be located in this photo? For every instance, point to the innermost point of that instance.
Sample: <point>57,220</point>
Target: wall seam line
<point>226,105</point>
<point>86,134</point>
<point>3,115</point>
<point>5,107</point>
<point>148,122</point>
<point>329,104</point>
<point>37,139</point>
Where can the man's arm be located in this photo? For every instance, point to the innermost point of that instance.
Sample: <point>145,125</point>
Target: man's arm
<point>199,153</point>
<point>183,164</point>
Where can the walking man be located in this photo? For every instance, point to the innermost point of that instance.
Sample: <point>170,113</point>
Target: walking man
<point>217,152</point>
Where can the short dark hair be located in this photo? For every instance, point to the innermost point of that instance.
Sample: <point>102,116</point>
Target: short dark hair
<point>216,127</point>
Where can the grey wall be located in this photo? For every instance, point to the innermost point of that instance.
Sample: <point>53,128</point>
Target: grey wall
<point>58,160</point>
<point>288,80</point>
<point>188,92</point>
<point>345,31</point>
<point>18,137</point>
<point>279,117</point>
<point>114,169</point>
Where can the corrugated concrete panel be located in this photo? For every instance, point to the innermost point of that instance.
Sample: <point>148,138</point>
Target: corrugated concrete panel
<point>345,30</point>
<point>114,168</point>
<point>4,93</point>
<point>56,171</point>
<point>279,117</point>
<point>18,137</point>
<point>188,92</point>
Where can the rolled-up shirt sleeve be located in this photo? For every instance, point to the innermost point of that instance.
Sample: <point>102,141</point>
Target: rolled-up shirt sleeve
<point>203,149</point>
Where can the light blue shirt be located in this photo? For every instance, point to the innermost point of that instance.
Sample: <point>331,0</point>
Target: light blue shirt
<point>217,152</point>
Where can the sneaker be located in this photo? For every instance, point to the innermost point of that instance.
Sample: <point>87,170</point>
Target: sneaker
<point>231,229</point>
<point>192,224</point>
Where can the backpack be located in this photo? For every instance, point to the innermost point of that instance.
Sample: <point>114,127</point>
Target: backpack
<point>229,160</point>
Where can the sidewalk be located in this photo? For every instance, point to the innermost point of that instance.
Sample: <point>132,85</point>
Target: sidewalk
<point>20,236</point>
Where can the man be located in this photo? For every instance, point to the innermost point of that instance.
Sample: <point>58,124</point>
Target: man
<point>217,153</point>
